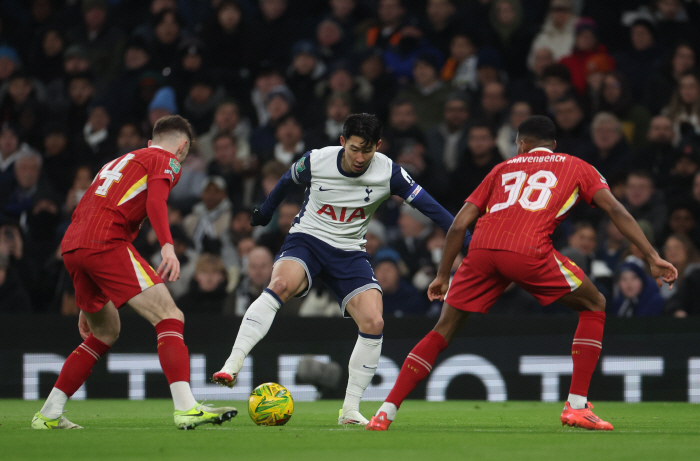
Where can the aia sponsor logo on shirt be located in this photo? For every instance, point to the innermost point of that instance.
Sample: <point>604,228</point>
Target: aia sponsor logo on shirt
<point>341,214</point>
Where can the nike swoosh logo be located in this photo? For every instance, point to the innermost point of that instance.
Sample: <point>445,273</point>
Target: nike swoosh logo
<point>369,368</point>
<point>248,318</point>
<point>321,189</point>
<point>201,413</point>
<point>375,279</point>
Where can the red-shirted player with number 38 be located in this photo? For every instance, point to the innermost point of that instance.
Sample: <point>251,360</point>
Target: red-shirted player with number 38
<point>108,272</point>
<point>519,204</point>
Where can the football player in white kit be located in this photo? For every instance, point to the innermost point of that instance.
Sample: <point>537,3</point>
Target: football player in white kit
<point>344,187</point>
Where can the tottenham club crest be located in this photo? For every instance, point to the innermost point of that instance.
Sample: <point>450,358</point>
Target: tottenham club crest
<point>369,191</point>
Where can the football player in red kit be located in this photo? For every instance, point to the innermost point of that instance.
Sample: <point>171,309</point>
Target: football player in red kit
<point>108,272</point>
<point>519,204</point>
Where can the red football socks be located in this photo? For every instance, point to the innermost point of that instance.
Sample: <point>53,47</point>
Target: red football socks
<point>586,350</point>
<point>417,366</point>
<point>78,365</point>
<point>172,352</point>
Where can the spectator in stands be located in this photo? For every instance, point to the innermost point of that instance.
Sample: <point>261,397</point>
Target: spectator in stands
<point>581,250</point>
<point>81,182</point>
<point>227,120</point>
<point>13,297</point>
<point>529,86</point>
<point>129,138</point>
<point>21,103</point>
<point>391,16</point>
<point>21,199</point>
<point>494,104</point>
<point>211,217</point>
<point>403,131</point>
<point>613,246</point>
<point>46,59</point>
<point>661,86</point>
<point>208,288</point>
<point>202,99</point>
<point>22,264</point>
<point>103,42</point>
<point>658,156</point>
<point>121,96</point>
<point>166,39</point>
<point>341,80</point>
<point>338,108</point>
<point>683,220</point>
<point>617,99</point>
<point>274,239</point>
<point>427,94</point>
<point>9,62</point>
<point>680,251</point>
<point>642,59</point>
<point>305,72</point>
<point>227,165</point>
<point>186,254</point>
<point>638,294</point>
<point>686,164</point>
<point>684,108</point>
<point>275,32</point>
<point>586,45</point>
<point>505,138</point>
<point>557,32</point>
<point>481,156</point>
<point>373,70</point>
<point>644,202</point>
<point>610,153</point>
<point>229,30</point>
<point>162,104</point>
<point>448,140</point>
<point>252,282</point>
<point>278,102</point>
<point>411,246</point>
<point>573,135</point>
<point>441,23</point>
<point>556,83</point>
<point>460,67</point>
<point>513,35</point>
<point>97,138</point>
<point>290,145</point>
<point>399,296</point>
<point>10,150</point>
<point>376,237</point>
<point>331,42</point>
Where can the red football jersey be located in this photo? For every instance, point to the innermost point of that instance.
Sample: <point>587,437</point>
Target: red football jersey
<point>114,207</point>
<point>522,200</point>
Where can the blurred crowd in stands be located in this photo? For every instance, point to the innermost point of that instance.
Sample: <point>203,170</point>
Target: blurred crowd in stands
<point>263,81</point>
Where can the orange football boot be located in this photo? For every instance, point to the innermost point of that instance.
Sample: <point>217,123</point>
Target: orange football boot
<point>224,378</point>
<point>582,418</point>
<point>379,422</point>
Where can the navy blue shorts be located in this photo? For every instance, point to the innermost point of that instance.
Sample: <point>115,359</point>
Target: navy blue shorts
<point>347,273</point>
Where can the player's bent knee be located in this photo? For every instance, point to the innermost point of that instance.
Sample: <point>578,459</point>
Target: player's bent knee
<point>281,288</point>
<point>372,326</point>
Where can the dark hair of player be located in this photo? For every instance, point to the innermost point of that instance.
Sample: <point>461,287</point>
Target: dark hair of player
<point>537,127</point>
<point>365,126</point>
<point>173,123</point>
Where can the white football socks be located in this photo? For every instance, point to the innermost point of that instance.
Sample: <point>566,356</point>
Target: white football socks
<point>390,410</point>
<point>577,402</point>
<point>254,326</point>
<point>182,396</point>
<point>53,407</point>
<point>362,366</point>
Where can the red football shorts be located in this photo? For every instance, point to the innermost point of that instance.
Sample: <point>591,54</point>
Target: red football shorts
<point>117,274</point>
<point>485,274</point>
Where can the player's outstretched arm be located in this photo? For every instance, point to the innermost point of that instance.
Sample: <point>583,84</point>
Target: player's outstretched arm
<point>157,211</point>
<point>299,173</point>
<point>661,270</point>
<point>453,245</point>
<point>427,205</point>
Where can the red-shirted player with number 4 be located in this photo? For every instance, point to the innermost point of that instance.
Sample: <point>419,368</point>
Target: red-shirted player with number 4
<point>108,272</point>
<point>520,203</point>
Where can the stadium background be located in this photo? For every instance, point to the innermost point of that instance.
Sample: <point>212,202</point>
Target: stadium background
<point>81,82</point>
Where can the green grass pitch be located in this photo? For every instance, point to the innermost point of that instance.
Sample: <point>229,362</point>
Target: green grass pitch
<point>426,431</point>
